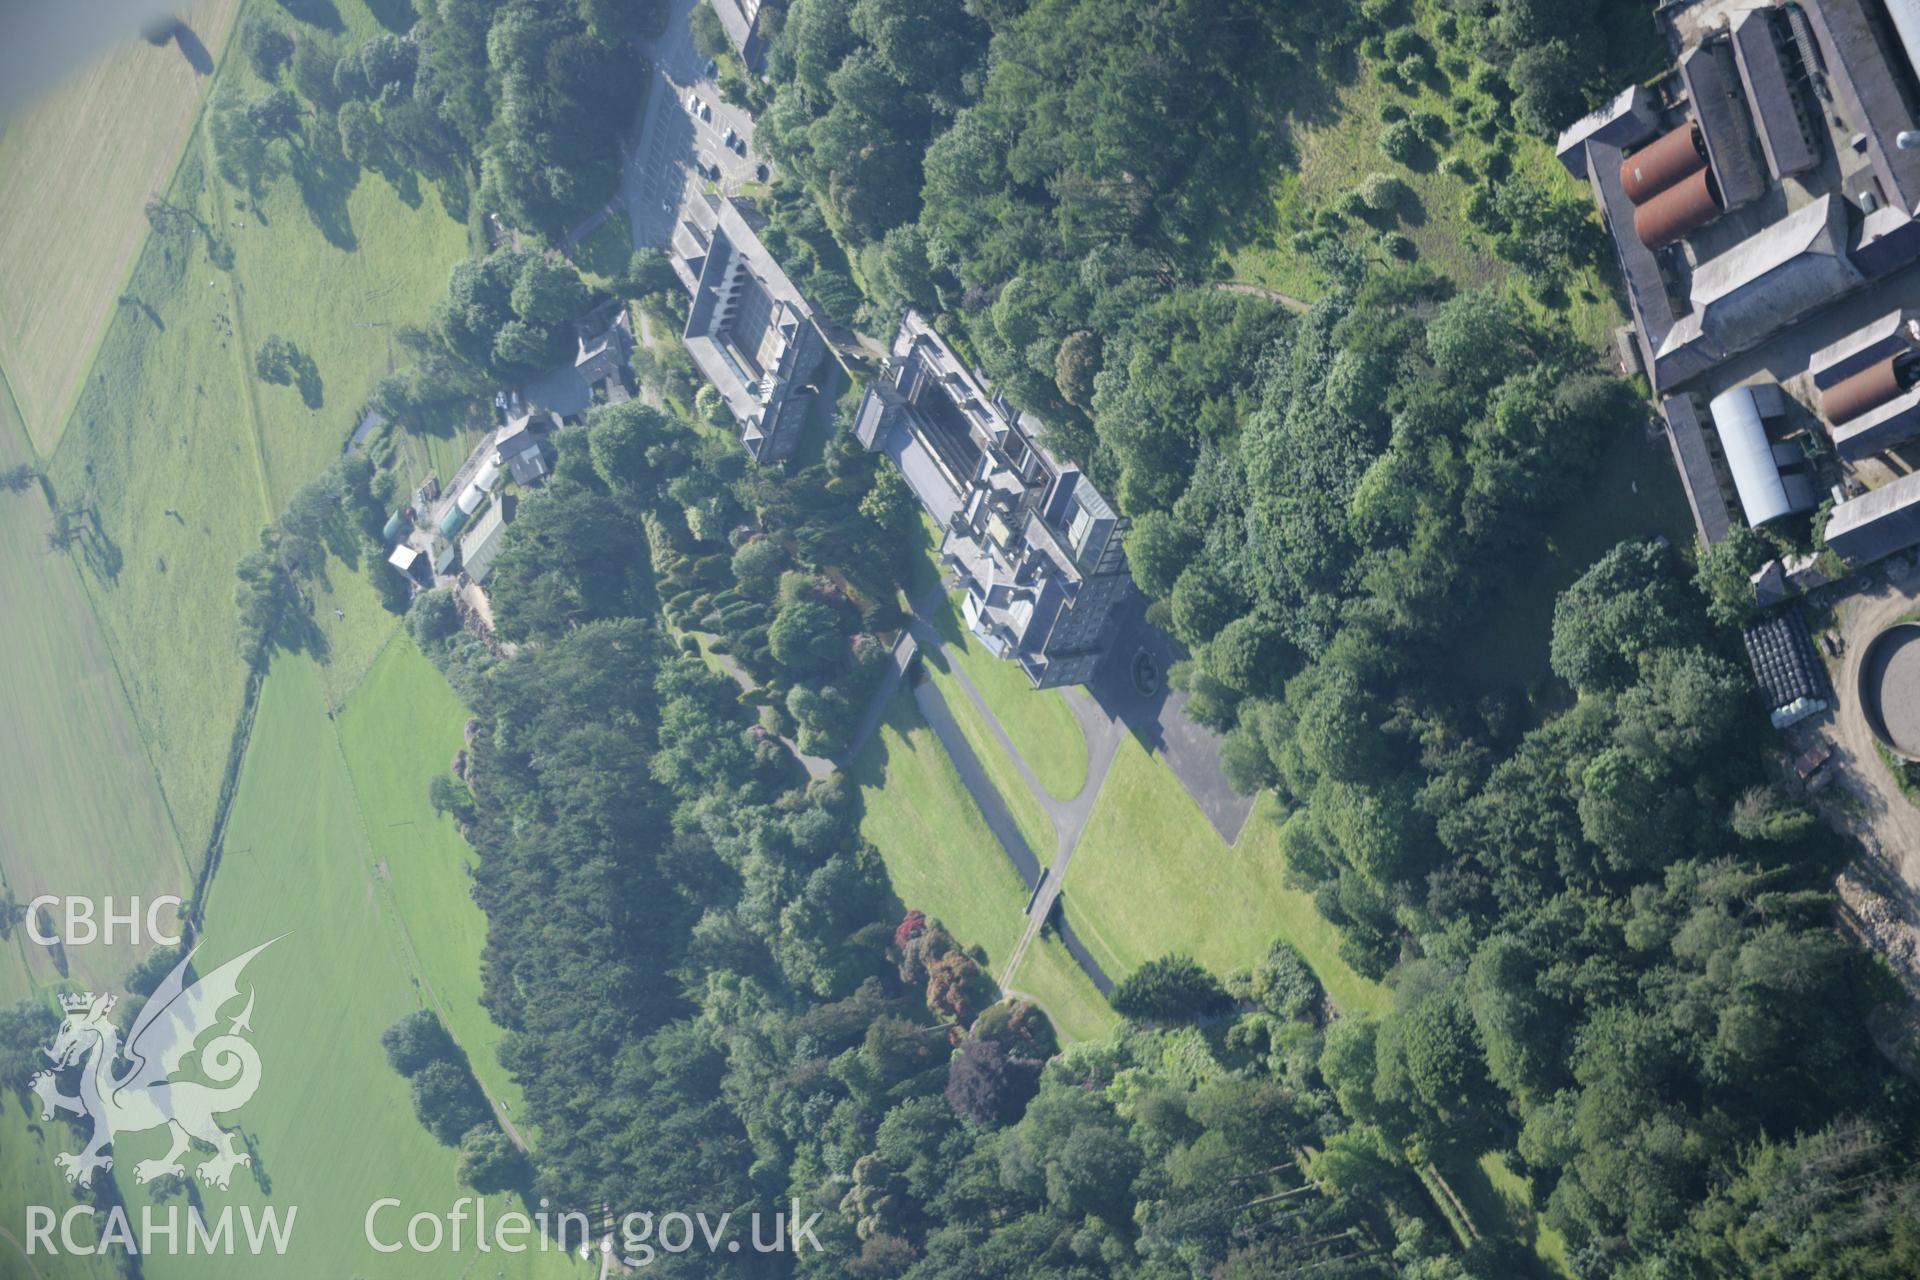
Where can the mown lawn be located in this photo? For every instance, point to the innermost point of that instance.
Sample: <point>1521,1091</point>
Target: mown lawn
<point>80,806</point>
<point>1027,813</point>
<point>332,1126</point>
<point>401,728</point>
<point>1060,986</point>
<point>942,860</point>
<point>79,168</point>
<point>1501,1200</point>
<point>1151,877</point>
<point>1038,721</point>
<point>940,857</point>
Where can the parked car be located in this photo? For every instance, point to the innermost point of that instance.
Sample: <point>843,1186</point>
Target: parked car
<point>711,70</point>
<point>728,138</point>
<point>739,144</point>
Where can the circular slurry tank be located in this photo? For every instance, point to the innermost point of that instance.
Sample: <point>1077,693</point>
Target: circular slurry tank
<point>1890,688</point>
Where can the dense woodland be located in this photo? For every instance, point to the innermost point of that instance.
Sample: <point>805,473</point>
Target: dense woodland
<point>1610,940</point>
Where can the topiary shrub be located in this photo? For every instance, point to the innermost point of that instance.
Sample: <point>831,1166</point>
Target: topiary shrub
<point>1400,142</point>
<point>1384,193</point>
<point>1396,245</point>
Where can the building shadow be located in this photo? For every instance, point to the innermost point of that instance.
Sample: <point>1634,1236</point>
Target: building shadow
<point>1131,687</point>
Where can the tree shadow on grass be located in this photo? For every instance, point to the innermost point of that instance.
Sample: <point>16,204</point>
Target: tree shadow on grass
<point>404,181</point>
<point>306,376</point>
<point>396,16</point>
<point>315,13</point>
<point>326,178</point>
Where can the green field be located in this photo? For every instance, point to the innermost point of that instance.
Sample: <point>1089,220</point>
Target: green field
<point>72,209</point>
<point>332,1126</point>
<point>1038,721</point>
<point>402,727</point>
<point>80,807</point>
<point>1151,877</point>
<point>940,857</point>
<point>336,259</point>
<point>182,455</point>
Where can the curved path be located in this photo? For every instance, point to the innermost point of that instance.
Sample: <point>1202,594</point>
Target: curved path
<point>1069,817</point>
<point>1883,890</point>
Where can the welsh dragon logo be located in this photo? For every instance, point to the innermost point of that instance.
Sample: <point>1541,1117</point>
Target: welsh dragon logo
<point>142,1094</point>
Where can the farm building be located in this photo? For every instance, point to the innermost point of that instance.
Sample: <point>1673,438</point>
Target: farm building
<point>482,544</point>
<point>410,563</point>
<point>1877,524</point>
<point>1766,223</point>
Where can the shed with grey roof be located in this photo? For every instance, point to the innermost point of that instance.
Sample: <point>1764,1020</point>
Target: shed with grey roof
<point>1787,269</point>
<point>1867,345</point>
<point>1693,458</point>
<point>481,545</point>
<point>1777,116</point>
<point>1628,119</point>
<point>1877,523</point>
<point>1721,108</point>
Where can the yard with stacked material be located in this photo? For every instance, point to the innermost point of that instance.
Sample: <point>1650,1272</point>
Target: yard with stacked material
<point>80,808</point>
<point>72,210</point>
<point>178,454</point>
